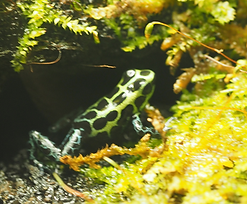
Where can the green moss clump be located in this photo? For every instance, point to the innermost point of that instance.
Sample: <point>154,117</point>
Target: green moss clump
<point>125,20</point>
<point>40,12</point>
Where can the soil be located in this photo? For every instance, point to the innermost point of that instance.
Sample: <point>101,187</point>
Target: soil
<point>21,182</point>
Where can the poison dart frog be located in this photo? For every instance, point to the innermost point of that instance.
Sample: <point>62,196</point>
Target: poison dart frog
<point>104,118</point>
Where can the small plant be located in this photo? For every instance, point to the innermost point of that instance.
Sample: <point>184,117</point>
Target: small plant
<point>40,12</point>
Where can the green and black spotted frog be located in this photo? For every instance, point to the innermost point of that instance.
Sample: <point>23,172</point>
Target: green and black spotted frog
<point>107,116</point>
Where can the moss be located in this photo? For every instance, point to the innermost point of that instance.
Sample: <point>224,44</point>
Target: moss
<point>126,19</point>
<point>40,12</point>
<point>204,160</point>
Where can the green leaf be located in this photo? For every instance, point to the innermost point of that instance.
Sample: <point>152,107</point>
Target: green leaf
<point>148,30</point>
<point>223,12</point>
<point>56,20</point>
<point>96,37</point>
<point>23,53</point>
<point>36,33</point>
<point>128,48</point>
<point>32,43</point>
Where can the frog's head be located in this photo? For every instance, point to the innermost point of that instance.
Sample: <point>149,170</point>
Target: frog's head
<point>114,110</point>
<point>136,87</point>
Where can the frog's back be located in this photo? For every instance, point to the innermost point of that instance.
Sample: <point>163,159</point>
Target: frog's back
<point>112,112</point>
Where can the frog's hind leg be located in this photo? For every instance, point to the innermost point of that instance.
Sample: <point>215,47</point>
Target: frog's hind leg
<point>43,148</point>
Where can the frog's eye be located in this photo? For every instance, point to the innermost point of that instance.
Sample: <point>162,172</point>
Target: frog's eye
<point>130,73</point>
<point>127,76</point>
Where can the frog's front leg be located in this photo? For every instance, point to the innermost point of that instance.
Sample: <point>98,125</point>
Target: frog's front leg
<point>72,142</point>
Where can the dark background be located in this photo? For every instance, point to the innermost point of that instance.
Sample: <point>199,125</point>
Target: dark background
<point>35,99</point>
